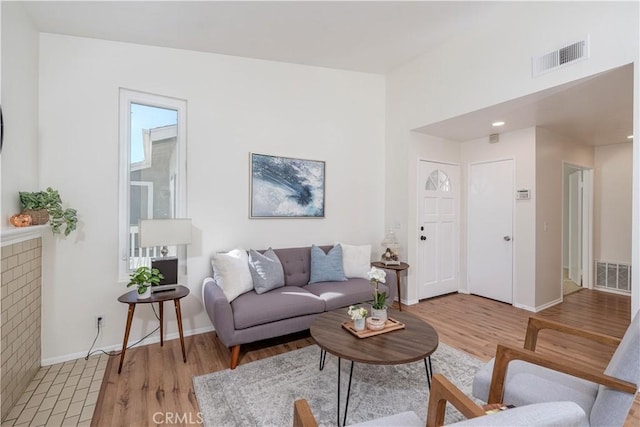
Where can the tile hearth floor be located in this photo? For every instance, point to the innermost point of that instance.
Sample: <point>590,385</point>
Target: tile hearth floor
<point>64,394</point>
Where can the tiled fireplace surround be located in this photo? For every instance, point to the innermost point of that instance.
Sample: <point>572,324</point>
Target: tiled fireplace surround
<point>20,322</point>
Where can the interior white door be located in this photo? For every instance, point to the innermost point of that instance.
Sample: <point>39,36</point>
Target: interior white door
<point>587,226</point>
<point>575,227</point>
<point>490,251</point>
<point>438,226</point>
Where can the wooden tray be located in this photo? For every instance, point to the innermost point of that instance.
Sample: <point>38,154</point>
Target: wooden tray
<point>390,325</point>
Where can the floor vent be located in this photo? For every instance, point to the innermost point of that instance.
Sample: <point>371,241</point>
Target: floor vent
<point>558,58</point>
<point>613,276</point>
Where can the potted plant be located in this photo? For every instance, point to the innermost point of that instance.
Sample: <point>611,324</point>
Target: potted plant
<point>145,277</point>
<point>358,315</point>
<point>379,304</point>
<point>45,206</point>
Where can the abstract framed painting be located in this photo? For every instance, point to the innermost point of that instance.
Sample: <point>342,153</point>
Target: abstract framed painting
<point>283,187</point>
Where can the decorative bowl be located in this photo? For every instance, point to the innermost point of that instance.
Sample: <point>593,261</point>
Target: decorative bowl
<point>375,324</point>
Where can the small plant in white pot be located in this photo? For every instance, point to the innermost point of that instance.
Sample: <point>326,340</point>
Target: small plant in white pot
<point>144,278</point>
<point>358,315</point>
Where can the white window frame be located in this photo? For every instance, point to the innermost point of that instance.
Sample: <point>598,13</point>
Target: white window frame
<point>126,98</point>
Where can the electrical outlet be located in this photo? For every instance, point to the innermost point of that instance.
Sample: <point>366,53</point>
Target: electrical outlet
<point>100,321</point>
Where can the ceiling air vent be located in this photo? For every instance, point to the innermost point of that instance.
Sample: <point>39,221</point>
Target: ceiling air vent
<point>558,58</point>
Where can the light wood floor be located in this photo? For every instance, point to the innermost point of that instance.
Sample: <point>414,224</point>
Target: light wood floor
<point>155,384</point>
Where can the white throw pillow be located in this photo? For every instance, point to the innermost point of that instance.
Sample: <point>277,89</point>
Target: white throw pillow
<point>231,272</point>
<point>356,260</point>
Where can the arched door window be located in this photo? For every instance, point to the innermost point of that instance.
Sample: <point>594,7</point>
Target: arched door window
<point>438,181</point>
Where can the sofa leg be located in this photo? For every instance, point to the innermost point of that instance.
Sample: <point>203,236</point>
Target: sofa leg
<point>235,356</point>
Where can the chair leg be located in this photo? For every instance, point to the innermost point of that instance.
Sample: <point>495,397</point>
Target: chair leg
<point>235,356</point>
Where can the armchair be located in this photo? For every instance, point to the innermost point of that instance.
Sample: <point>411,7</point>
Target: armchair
<point>549,414</point>
<point>605,397</point>
<point>546,391</point>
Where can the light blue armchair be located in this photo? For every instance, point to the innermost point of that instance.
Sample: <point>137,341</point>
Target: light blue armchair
<point>550,414</point>
<point>605,398</point>
<point>546,391</point>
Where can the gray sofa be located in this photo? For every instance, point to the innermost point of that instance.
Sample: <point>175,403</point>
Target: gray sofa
<point>252,317</point>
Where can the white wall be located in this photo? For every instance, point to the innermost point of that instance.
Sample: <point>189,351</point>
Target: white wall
<point>491,64</point>
<point>19,107</point>
<point>552,150</point>
<point>612,207</point>
<point>521,147</point>
<point>235,106</point>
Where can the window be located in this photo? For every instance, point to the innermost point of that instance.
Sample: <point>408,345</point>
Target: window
<point>152,170</point>
<point>438,181</point>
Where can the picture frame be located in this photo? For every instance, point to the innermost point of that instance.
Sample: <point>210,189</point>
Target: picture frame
<point>286,187</point>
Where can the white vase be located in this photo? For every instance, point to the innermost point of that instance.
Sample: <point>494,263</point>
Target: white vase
<point>358,324</point>
<point>146,294</point>
<point>380,313</point>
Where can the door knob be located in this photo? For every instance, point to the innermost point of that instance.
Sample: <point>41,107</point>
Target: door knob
<point>423,237</point>
<point>507,238</point>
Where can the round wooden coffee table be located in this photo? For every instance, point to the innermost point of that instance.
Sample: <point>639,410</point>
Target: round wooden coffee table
<point>417,341</point>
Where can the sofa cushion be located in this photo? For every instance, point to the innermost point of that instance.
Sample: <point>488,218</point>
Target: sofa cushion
<point>231,272</point>
<point>326,267</point>
<point>251,309</point>
<point>356,260</point>
<point>296,263</point>
<point>343,294</point>
<point>266,270</point>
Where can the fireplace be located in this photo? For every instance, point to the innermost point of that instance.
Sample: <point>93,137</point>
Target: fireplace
<point>20,306</point>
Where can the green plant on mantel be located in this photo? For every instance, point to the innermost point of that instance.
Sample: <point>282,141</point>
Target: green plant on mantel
<point>50,201</point>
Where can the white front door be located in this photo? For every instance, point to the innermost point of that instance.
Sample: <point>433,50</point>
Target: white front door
<point>438,229</point>
<point>490,254</point>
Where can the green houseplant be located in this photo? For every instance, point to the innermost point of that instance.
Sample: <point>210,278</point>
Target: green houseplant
<point>50,201</point>
<point>145,277</point>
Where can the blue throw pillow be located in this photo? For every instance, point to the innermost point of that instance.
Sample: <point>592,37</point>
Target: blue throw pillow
<point>326,267</point>
<point>266,271</point>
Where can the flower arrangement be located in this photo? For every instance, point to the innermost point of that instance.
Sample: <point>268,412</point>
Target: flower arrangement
<point>357,312</point>
<point>377,276</point>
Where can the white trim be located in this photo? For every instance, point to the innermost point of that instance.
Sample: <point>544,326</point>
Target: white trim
<point>117,347</point>
<point>11,236</point>
<point>587,227</point>
<point>410,302</point>
<point>126,98</point>
<point>588,266</point>
<point>612,291</point>
<point>525,307</point>
<point>539,308</point>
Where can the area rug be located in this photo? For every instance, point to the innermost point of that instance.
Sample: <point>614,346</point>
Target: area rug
<point>262,393</point>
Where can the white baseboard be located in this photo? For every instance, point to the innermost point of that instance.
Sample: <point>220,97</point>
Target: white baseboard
<point>410,302</point>
<point>538,308</point>
<point>155,338</point>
